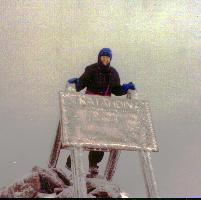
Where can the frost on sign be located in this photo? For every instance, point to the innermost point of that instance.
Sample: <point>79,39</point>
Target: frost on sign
<point>97,122</point>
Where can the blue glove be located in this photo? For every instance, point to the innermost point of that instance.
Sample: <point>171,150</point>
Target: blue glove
<point>72,80</point>
<point>125,87</point>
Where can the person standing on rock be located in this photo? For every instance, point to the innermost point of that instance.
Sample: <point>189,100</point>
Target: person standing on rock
<point>99,79</point>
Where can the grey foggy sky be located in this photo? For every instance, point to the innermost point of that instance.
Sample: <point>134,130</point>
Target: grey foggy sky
<point>156,44</point>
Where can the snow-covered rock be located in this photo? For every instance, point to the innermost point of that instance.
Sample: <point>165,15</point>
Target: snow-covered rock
<point>103,188</point>
<point>49,180</point>
<point>27,187</point>
<point>54,183</point>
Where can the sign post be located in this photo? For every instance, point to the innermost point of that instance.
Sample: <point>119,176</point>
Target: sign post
<point>99,123</point>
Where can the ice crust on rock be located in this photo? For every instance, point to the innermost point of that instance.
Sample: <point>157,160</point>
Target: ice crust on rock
<point>54,183</point>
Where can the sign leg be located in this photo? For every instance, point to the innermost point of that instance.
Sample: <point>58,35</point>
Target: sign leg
<point>111,164</point>
<point>149,178</point>
<point>55,149</point>
<point>79,176</point>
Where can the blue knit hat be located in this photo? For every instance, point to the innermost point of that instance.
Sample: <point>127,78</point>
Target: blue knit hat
<point>105,52</point>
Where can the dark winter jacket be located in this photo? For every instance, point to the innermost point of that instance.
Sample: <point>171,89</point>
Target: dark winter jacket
<point>100,80</point>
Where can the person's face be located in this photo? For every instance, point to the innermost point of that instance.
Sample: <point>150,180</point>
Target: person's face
<point>105,60</point>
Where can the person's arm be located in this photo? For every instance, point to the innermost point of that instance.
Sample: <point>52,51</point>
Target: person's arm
<point>84,80</point>
<point>116,87</point>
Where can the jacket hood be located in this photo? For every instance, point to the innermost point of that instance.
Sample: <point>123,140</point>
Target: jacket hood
<point>104,52</point>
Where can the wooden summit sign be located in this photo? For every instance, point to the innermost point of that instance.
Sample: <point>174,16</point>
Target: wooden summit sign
<point>97,122</point>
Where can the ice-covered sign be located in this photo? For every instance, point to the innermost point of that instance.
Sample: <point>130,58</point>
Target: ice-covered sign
<point>97,122</point>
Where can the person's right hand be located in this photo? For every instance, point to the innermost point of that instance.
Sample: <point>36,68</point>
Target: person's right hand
<point>72,80</point>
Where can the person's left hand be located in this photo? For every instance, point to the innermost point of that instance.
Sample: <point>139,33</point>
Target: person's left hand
<point>72,80</point>
<point>126,86</point>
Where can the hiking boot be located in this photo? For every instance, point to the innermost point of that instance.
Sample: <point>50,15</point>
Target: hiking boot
<point>93,172</point>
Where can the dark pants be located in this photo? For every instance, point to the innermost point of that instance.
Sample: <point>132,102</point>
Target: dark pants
<point>94,158</point>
